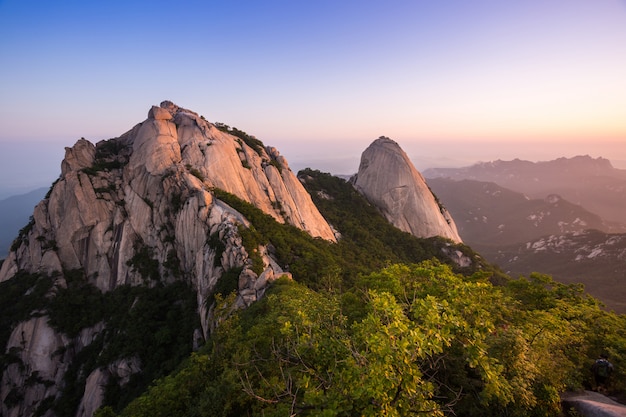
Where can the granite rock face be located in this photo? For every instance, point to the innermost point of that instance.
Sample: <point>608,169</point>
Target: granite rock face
<point>147,191</point>
<point>390,181</point>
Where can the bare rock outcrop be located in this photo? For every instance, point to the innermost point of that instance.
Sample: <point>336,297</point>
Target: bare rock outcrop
<point>592,404</point>
<point>390,181</point>
<point>149,192</point>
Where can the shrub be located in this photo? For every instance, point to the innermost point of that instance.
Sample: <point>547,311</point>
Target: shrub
<point>143,262</point>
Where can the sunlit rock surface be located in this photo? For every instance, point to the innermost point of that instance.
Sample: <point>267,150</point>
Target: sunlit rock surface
<point>390,181</point>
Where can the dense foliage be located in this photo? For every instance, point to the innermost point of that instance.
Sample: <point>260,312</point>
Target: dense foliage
<point>407,340</point>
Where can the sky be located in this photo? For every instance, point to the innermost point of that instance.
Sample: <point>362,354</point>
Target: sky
<point>453,82</point>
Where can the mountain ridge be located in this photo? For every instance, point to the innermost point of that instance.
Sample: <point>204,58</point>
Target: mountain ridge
<point>592,183</point>
<point>487,213</point>
<point>551,235</point>
<point>590,257</point>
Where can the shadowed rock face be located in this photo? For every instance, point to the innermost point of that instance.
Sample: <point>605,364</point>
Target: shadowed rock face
<point>388,179</point>
<point>148,191</point>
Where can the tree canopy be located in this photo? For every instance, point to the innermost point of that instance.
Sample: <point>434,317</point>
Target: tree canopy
<point>406,340</point>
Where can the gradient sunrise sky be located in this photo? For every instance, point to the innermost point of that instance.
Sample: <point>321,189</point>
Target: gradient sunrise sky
<point>453,82</point>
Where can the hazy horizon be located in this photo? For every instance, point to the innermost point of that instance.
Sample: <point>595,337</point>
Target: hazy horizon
<point>34,167</point>
<point>452,82</point>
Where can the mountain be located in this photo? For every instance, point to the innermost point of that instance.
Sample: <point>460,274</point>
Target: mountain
<point>122,269</point>
<point>592,183</point>
<point>122,191</point>
<point>138,211</point>
<point>14,213</point>
<point>411,338</point>
<point>388,179</point>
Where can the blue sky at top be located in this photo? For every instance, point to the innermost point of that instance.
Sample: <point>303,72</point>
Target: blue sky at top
<point>338,73</point>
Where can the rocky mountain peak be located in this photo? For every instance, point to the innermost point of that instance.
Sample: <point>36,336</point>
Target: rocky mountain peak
<point>142,210</point>
<point>142,186</point>
<point>390,181</point>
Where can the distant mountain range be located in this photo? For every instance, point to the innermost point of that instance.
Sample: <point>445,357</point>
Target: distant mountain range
<point>14,214</point>
<point>591,183</point>
<point>564,217</point>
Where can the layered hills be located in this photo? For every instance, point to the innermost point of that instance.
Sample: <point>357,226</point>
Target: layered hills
<point>489,214</point>
<point>547,232</point>
<point>141,235</point>
<point>589,182</point>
